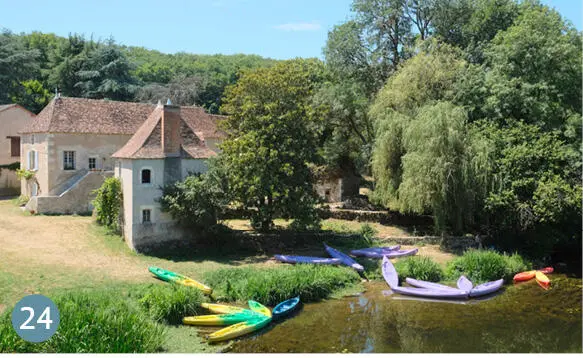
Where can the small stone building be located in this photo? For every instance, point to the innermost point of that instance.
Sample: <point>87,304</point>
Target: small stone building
<point>335,185</point>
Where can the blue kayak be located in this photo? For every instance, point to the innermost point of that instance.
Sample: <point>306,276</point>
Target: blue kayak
<point>286,307</point>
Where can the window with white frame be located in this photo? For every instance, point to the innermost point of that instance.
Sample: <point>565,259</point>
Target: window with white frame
<point>146,176</point>
<point>69,160</point>
<point>146,216</point>
<point>92,163</point>
<point>32,160</point>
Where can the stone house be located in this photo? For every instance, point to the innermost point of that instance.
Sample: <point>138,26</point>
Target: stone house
<point>69,148</point>
<point>336,185</point>
<point>13,118</point>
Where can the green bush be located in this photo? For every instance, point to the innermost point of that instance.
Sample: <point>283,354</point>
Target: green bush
<point>91,323</point>
<point>368,232</point>
<point>169,303</point>
<point>486,265</point>
<point>273,285</point>
<point>108,202</point>
<point>419,267</point>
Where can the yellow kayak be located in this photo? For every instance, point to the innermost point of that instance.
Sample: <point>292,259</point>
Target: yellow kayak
<point>220,319</point>
<point>239,329</point>
<point>216,308</point>
<point>186,281</point>
<point>259,308</point>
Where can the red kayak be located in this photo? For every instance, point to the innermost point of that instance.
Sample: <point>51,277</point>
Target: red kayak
<point>524,276</point>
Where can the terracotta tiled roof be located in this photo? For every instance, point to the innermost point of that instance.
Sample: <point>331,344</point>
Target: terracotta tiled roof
<point>82,115</point>
<point>146,143</point>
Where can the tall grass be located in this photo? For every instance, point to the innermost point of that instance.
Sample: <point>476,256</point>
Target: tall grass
<point>169,303</point>
<point>419,267</point>
<point>486,265</point>
<point>91,323</point>
<point>273,285</point>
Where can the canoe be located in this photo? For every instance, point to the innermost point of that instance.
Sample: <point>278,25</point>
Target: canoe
<point>542,280</point>
<point>239,329</point>
<point>389,254</point>
<point>307,260</point>
<point>216,308</point>
<point>347,260</point>
<point>524,276</point>
<point>219,319</point>
<point>547,270</point>
<point>389,273</point>
<point>431,293</point>
<point>359,252</point>
<point>486,288</point>
<point>464,284</point>
<point>286,307</point>
<point>259,308</point>
<point>170,276</point>
<point>430,285</point>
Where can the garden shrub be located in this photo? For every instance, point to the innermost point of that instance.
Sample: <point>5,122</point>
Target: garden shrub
<point>90,323</point>
<point>169,303</point>
<point>368,232</point>
<point>486,265</point>
<point>108,202</point>
<point>273,285</point>
<point>420,268</point>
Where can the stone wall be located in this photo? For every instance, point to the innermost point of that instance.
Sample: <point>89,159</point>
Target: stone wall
<point>75,200</point>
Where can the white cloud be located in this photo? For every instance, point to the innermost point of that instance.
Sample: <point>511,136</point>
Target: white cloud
<point>299,26</point>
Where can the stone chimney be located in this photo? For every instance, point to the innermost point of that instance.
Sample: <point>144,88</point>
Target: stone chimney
<point>171,139</point>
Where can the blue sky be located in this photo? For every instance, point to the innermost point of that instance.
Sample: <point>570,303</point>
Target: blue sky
<point>272,28</point>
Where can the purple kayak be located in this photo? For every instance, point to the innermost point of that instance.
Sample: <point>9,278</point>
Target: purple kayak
<point>389,273</point>
<point>307,260</point>
<point>359,252</point>
<point>429,285</point>
<point>347,260</point>
<point>486,288</point>
<point>464,284</point>
<point>428,292</point>
<point>389,254</point>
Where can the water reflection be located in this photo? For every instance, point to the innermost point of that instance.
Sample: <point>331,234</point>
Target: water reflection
<point>523,318</point>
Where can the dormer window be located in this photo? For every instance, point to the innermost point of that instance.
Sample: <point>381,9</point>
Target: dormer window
<point>146,176</point>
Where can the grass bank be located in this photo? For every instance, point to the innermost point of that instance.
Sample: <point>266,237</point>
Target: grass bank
<point>486,265</point>
<point>275,284</point>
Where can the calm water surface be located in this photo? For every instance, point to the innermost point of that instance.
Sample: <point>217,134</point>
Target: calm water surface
<point>522,318</point>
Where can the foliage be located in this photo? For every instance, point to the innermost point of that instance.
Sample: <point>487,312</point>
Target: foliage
<point>24,174</point>
<point>90,323</point>
<point>368,232</point>
<point>108,203</point>
<point>198,200</point>
<point>21,200</point>
<point>14,167</point>
<point>17,64</point>
<point>420,268</point>
<point>486,265</point>
<point>270,143</point>
<point>170,303</point>
<point>273,285</point>
<point>32,95</point>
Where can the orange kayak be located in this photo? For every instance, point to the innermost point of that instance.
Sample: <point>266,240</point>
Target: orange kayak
<point>524,276</point>
<point>543,280</point>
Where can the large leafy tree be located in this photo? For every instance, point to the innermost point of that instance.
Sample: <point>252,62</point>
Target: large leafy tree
<point>106,74</point>
<point>16,64</point>
<point>271,142</point>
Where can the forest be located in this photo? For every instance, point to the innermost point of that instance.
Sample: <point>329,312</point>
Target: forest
<point>465,110</point>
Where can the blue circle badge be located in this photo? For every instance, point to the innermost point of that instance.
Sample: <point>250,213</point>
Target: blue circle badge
<point>35,318</point>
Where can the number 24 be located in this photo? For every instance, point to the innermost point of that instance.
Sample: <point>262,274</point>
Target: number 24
<point>45,318</point>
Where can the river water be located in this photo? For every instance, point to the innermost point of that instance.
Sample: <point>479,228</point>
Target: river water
<point>521,318</point>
